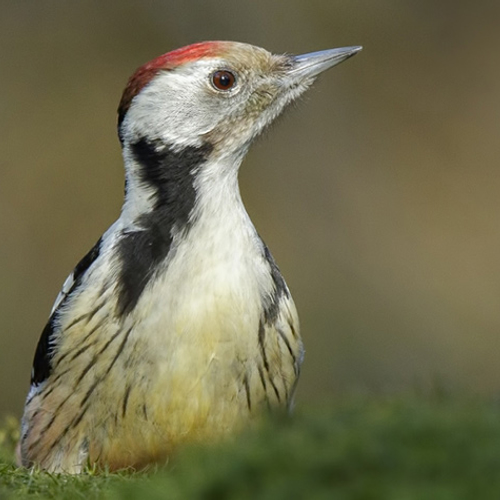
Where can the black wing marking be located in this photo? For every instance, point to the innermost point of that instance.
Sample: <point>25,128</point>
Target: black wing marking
<point>43,355</point>
<point>272,306</point>
<point>279,343</point>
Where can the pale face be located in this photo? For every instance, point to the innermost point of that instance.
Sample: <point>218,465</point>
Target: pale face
<point>198,101</point>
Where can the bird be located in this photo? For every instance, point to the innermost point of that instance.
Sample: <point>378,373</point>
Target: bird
<point>177,326</point>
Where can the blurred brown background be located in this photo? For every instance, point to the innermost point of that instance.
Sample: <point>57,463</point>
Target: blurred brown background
<point>378,195</point>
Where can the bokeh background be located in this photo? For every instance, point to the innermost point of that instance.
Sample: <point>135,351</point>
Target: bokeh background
<point>378,194</point>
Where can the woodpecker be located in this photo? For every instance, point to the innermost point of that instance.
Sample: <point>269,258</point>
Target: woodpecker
<point>177,326</point>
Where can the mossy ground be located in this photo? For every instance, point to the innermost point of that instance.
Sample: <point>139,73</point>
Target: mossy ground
<point>399,448</point>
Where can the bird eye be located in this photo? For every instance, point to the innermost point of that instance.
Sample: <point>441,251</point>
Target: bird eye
<point>223,80</point>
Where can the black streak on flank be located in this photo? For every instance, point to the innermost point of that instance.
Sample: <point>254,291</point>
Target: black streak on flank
<point>171,174</point>
<point>125,400</point>
<point>42,365</point>
<point>271,309</point>
<point>262,346</point>
<point>246,385</point>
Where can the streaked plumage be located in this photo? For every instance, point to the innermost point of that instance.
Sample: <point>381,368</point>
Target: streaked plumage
<point>177,326</point>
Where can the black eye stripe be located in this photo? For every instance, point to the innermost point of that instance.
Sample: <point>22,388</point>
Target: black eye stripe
<point>223,79</point>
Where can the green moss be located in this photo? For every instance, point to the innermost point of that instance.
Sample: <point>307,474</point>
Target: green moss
<point>399,448</point>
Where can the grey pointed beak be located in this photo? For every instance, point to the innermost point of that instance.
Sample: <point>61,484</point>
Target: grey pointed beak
<point>314,63</point>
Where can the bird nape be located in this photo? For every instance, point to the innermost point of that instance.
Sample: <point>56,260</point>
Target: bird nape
<point>178,325</point>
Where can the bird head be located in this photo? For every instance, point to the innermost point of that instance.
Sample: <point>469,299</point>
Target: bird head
<point>218,93</point>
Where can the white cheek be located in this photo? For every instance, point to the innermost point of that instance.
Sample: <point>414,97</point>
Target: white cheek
<point>173,108</point>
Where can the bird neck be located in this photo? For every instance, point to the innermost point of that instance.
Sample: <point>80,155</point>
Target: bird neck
<point>182,184</point>
<point>184,205</point>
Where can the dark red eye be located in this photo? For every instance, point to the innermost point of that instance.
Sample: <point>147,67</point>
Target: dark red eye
<point>223,80</point>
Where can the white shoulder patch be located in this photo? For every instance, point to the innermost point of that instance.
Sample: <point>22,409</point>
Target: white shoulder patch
<point>70,280</point>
